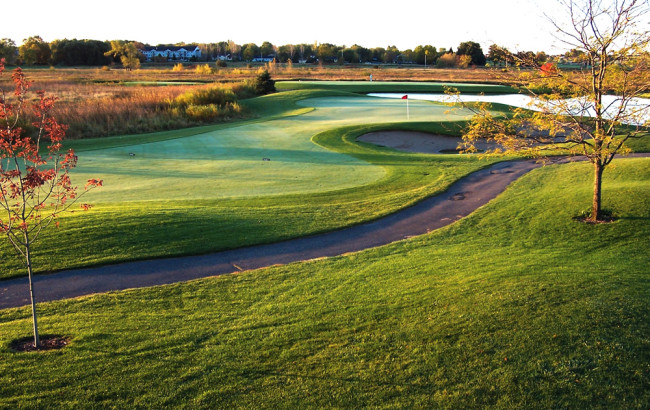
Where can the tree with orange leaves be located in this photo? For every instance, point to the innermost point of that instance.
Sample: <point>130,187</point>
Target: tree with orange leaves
<point>592,112</point>
<point>35,184</point>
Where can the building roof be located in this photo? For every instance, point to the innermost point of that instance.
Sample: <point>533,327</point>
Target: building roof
<point>189,47</point>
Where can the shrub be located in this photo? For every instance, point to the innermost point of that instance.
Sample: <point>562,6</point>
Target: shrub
<point>221,63</point>
<point>264,84</point>
<point>210,112</point>
<point>203,69</point>
<point>202,112</point>
<point>447,60</point>
<point>218,95</point>
<point>271,66</point>
<point>463,61</point>
<point>178,67</point>
<point>245,89</point>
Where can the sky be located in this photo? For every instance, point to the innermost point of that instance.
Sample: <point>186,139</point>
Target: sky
<point>519,25</point>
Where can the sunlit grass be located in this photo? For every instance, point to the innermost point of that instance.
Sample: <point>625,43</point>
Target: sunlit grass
<point>516,306</point>
<point>207,189</point>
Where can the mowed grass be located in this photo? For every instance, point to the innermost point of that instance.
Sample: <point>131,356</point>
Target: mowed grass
<point>516,306</point>
<point>395,87</point>
<point>229,162</point>
<point>137,230</point>
<point>211,190</point>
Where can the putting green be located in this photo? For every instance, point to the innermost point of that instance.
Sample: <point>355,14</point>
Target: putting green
<point>230,162</point>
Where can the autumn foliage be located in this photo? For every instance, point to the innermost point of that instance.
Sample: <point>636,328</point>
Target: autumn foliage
<point>549,69</point>
<point>35,179</point>
<point>35,184</point>
<point>592,114</point>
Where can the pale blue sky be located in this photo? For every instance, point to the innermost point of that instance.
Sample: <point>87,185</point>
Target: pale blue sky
<point>516,24</point>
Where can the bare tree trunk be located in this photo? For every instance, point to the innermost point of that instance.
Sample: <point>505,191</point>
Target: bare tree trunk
<point>598,179</point>
<point>37,340</point>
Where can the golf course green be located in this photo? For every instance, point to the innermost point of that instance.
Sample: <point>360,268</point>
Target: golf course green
<point>231,162</point>
<point>286,174</point>
<point>518,305</point>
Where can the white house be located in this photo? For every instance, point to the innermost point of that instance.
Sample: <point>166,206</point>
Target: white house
<point>266,59</point>
<point>180,53</point>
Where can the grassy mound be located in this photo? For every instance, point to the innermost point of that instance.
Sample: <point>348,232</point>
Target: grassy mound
<point>517,305</point>
<point>207,189</point>
<point>138,230</point>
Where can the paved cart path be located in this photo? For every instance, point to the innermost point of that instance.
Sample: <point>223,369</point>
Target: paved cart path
<point>461,199</point>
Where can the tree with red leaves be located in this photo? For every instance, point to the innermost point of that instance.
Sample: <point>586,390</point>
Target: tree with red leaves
<point>549,69</point>
<point>35,184</point>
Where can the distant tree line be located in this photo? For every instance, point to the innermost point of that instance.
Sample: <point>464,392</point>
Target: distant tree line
<point>35,51</point>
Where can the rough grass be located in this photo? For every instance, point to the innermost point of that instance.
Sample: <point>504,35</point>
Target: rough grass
<point>157,75</point>
<point>516,306</point>
<point>394,87</point>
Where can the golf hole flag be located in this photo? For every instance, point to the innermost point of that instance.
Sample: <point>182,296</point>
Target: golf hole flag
<point>406,97</point>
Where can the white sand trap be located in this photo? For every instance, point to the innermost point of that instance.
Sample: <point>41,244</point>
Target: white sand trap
<point>421,142</point>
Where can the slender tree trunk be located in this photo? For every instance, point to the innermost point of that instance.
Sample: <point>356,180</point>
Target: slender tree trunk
<point>28,257</point>
<point>598,179</point>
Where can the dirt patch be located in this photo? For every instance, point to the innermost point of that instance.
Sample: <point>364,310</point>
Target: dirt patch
<point>459,196</point>
<point>48,342</point>
<point>420,142</point>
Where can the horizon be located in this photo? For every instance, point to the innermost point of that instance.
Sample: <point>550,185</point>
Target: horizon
<point>447,26</point>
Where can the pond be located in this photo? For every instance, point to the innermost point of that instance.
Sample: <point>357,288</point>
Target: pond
<point>637,111</point>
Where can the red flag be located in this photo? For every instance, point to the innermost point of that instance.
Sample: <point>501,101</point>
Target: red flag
<point>406,97</point>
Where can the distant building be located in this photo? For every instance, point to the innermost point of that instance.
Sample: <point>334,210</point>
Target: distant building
<point>180,53</point>
<point>402,59</point>
<point>266,59</point>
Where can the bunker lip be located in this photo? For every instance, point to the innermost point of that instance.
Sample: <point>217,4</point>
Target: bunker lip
<point>419,142</point>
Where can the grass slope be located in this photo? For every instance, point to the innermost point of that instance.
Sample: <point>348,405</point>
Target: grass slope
<point>227,162</point>
<point>517,305</point>
<point>137,230</point>
<point>210,190</point>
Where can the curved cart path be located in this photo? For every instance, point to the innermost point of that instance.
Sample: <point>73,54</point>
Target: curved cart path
<point>462,198</point>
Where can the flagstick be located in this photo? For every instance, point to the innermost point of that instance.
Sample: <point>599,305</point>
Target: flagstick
<point>408,117</point>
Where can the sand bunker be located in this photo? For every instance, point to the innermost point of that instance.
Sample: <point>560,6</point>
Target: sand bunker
<point>412,141</point>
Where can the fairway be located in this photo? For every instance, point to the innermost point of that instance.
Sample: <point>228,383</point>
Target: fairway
<point>386,223</point>
<point>231,162</point>
<point>394,87</point>
<point>206,189</point>
<point>488,312</point>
